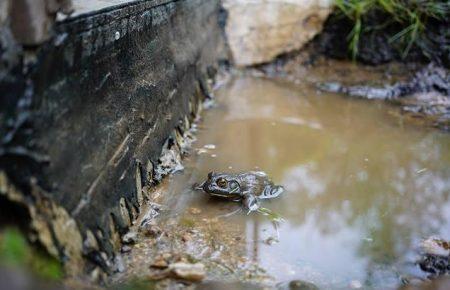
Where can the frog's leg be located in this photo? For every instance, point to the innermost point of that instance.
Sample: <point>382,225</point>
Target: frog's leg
<point>230,214</point>
<point>272,191</point>
<point>198,186</point>
<point>250,202</point>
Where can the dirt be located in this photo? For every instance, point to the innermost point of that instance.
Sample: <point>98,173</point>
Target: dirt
<point>375,45</point>
<point>181,252</point>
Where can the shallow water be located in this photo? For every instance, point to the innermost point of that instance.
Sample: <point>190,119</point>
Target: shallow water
<point>362,186</point>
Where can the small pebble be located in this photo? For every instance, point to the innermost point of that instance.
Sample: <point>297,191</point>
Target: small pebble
<point>186,237</point>
<point>270,241</point>
<point>355,284</point>
<point>130,238</point>
<point>190,272</point>
<point>126,249</point>
<point>159,263</point>
<point>302,285</point>
<point>195,210</point>
<point>151,230</point>
<point>201,151</point>
<point>209,146</point>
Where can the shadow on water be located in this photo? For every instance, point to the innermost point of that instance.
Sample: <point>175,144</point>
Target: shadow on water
<point>362,187</point>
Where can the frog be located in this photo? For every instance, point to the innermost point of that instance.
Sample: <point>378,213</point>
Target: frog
<point>249,188</point>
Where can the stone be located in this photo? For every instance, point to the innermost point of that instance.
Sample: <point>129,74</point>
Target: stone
<point>302,285</point>
<point>259,31</point>
<point>125,249</point>
<point>138,179</point>
<point>190,272</point>
<point>195,210</point>
<point>32,20</point>
<point>35,29</point>
<point>159,263</point>
<point>130,237</point>
<point>151,230</point>
<point>124,211</point>
<point>119,264</point>
<point>90,242</point>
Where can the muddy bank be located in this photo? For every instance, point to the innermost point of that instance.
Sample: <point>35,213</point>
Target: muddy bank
<point>420,91</point>
<point>424,95</point>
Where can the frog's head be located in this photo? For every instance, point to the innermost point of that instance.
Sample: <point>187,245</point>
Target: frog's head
<point>222,185</point>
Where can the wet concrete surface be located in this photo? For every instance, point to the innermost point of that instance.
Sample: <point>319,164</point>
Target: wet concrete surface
<point>364,186</point>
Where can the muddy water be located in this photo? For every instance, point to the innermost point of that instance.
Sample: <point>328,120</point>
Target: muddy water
<point>362,186</point>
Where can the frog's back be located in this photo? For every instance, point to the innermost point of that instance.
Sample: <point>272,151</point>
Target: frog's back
<point>259,184</point>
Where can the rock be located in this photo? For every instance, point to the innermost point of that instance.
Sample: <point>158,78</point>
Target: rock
<point>271,240</point>
<point>190,272</point>
<point>258,31</point>
<point>355,284</point>
<point>302,285</point>
<point>32,20</point>
<point>442,283</point>
<point>435,258</point>
<point>209,146</point>
<point>186,237</point>
<point>130,238</point>
<point>119,264</point>
<point>125,249</point>
<point>159,263</point>
<point>195,210</point>
<point>90,242</point>
<point>151,230</point>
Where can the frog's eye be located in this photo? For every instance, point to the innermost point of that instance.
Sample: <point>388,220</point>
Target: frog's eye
<point>222,182</point>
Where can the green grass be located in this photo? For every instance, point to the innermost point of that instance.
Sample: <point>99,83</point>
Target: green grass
<point>16,251</point>
<point>411,16</point>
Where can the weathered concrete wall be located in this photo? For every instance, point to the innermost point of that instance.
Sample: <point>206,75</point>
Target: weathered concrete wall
<point>85,116</point>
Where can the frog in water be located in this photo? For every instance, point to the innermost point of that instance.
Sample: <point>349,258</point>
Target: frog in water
<point>248,188</point>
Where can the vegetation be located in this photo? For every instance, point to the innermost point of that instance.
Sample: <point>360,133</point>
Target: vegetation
<point>411,16</point>
<point>15,251</point>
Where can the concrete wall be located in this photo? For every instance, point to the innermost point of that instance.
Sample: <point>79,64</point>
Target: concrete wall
<point>85,115</point>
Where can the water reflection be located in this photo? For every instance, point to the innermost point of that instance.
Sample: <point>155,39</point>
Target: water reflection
<point>362,187</point>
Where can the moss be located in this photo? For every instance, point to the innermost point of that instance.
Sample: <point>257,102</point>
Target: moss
<point>410,16</point>
<point>16,251</point>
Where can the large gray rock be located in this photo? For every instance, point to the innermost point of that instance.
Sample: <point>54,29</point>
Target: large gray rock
<point>259,30</point>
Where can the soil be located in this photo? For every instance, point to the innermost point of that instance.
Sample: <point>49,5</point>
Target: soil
<point>375,45</point>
